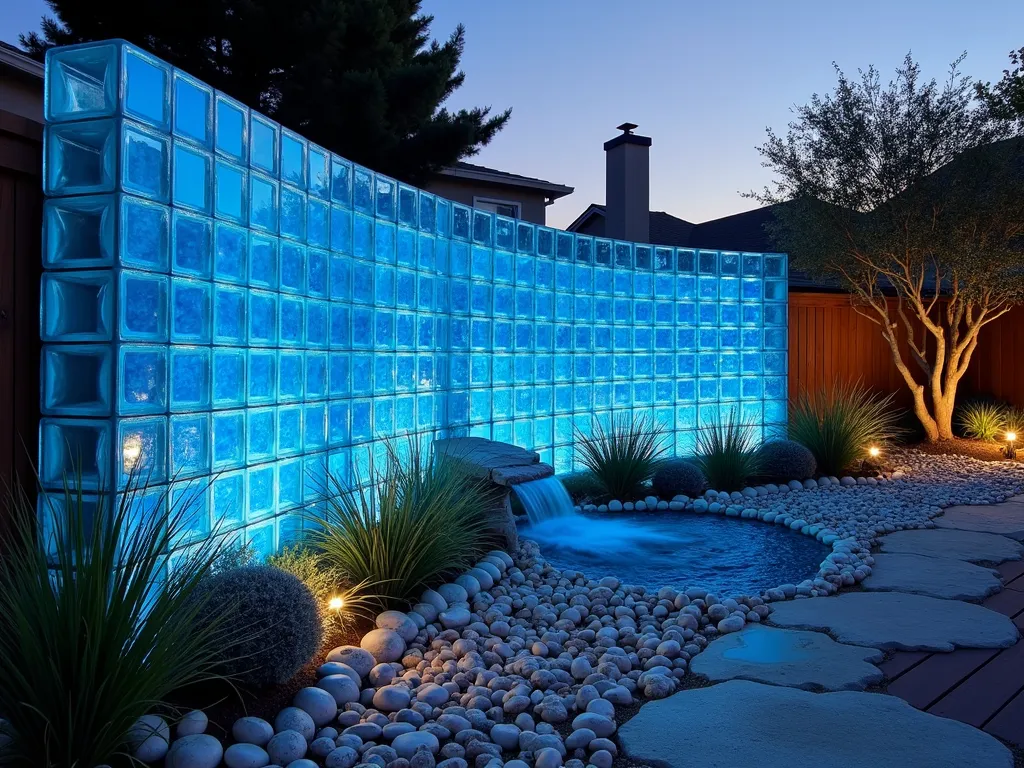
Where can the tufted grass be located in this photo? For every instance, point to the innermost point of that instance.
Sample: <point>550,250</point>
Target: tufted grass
<point>623,456</point>
<point>727,454</point>
<point>986,420</point>
<point>94,632</point>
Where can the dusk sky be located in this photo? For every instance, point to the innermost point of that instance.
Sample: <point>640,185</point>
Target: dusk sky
<point>703,80</point>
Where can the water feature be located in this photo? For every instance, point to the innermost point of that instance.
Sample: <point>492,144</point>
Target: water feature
<point>726,556</point>
<point>544,499</point>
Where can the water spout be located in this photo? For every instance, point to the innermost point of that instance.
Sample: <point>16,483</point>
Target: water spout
<point>544,499</point>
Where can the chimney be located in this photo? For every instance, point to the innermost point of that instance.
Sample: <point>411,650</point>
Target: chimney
<point>627,186</point>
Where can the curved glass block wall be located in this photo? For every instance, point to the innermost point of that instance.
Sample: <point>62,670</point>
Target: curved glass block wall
<point>232,308</point>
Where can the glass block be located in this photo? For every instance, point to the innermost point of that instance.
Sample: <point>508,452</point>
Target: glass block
<point>293,159</point>
<point>190,511</point>
<point>229,323</point>
<point>262,377</point>
<point>228,500</point>
<point>385,194</point>
<point>145,162</point>
<point>142,450</point>
<point>146,88</point>
<point>263,261</point>
<point>80,158</point>
<point>78,232</point>
<point>291,325</point>
<point>293,214</point>
<point>264,150</point>
<point>229,256</point>
<point>228,377</point>
<point>261,434</point>
<point>81,81</point>
<point>190,311</point>
<point>262,318</point>
<point>293,268</point>
<point>231,185</point>
<point>317,273</point>
<point>314,426</point>
<point>191,245</point>
<point>192,178</point>
<point>291,375</point>
<point>76,380</point>
<point>289,484</point>
<point>231,126</point>
<point>289,430</point>
<point>77,306</point>
<point>142,379</point>
<point>318,223</point>
<point>190,445</point>
<point>144,234</point>
<point>263,203</point>
<point>190,378</point>
<point>318,175</point>
<point>143,303</point>
<point>193,109</point>
<point>261,493</point>
<point>341,181</point>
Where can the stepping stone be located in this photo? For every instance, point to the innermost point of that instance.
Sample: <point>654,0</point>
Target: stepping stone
<point>894,620</point>
<point>948,542</point>
<point>809,660</point>
<point>1005,519</point>
<point>940,577</point>
<point>743,723</point>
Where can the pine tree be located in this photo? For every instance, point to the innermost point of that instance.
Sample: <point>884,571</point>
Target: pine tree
<point>360,77</point>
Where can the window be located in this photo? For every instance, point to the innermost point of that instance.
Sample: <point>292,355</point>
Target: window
<point>500,207</point>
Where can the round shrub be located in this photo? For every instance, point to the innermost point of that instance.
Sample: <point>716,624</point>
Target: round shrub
<point>282,626</point>
<point>786,460</point>
<point>678,476</point>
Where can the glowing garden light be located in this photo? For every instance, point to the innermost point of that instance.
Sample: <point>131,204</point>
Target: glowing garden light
<point>336,604</point>
<point>874,451</point>
<point>1010,451</point>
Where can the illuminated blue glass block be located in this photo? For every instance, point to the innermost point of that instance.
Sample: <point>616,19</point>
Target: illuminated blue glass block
<point>407,253</point>
<point>261,434</point>
<point>289,430</point>
<point>773,314</point>
<point>318,174</point>
<point>261,493</point>
<point>76,380</point>
<point>293,159</point>
<point>231,125</point>
<point>228,378</point>
<point>142,450</point>
<point>775,387</point>
<point>190,445</point>
<point>362,190</point>
<point>147,88</point>
<point>291,376</point>
<point>191,245</point>
<point>317,324</point>
<point>262,367</point>
<point>80,158</point>
<point>341,229</point>
<point>228,440</point>
<point>337,423</point>
<point>341,326</point>
<point>289,484</point>
<point>776,290</point>
<point>263,203</point>
<point>231,192</point>
<point>362,327</point>
<point>339,376</point>
<point>775,338</point>
<point>264,140</point>
<point>362,374</point>
<point>145,163</point>
<point>193,177</point>
<point>190,378</point>
<point>262,318</point>
<point>752,265</point>
<point>318,223</point>
<point>729,387</point>
<point>361,425</point>
<point>385,193</point>
<point>193,109</point>
<point>145,234</point>
<point>317,273</point>
<point>228,505</point>
<point>385,248</point>
<point>263,262</point>
<point>293,214</point>
<point>190,512</point>
<point>78,232</point>
<point>229,259</point>
<point>81,81</point>
<point>775,412</point>
<point>293,268</point>
<point>77,306</point>
<point>775,362</point>
<point>291,326</point>
<point>144,300</point>
<point>228,315</point>
<point>362,237</point>
<point>314,423</point>
<point>190,311</point>
<point>774,265</point>
<point>341,181</point>
<point>142,379</point>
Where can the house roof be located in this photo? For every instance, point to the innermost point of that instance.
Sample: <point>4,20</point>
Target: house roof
<point>12,58</point>
<point>482,173</point>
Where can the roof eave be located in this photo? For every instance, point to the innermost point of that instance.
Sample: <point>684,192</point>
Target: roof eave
<point>553,191</point>
<point>21,62</point>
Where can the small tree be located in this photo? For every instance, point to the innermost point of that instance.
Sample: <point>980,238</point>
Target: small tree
<point>360,77</point>
<point>912,195</point>
<point>1006,97</point>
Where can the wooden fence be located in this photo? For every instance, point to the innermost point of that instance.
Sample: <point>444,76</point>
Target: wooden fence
<point>829,341</point>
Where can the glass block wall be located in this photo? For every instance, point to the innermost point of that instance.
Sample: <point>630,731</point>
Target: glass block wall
<point>234,310</point>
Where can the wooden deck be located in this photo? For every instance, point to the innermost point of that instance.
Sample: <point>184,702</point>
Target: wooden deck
<point>984,688</point>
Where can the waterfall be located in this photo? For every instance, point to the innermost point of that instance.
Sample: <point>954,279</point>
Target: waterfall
<point>544,499</point>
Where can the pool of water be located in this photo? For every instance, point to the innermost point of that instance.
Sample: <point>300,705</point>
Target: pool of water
<point>728,556</point>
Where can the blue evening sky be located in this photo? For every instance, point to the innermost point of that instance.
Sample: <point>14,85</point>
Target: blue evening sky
<point>702,79</point>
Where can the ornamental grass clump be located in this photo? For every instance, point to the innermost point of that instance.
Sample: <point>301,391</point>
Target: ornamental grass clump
<point>986,420</point>
<point>421,519</point>
<point>841,423</point>
<point>328,586</point>
<point>727,454</point>
<point>95,630</point>
<point>622,456</point>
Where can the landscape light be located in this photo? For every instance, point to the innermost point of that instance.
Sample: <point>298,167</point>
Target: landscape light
<point>336,604</point>
<point>1010,451</point>
<point>874,451</point>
